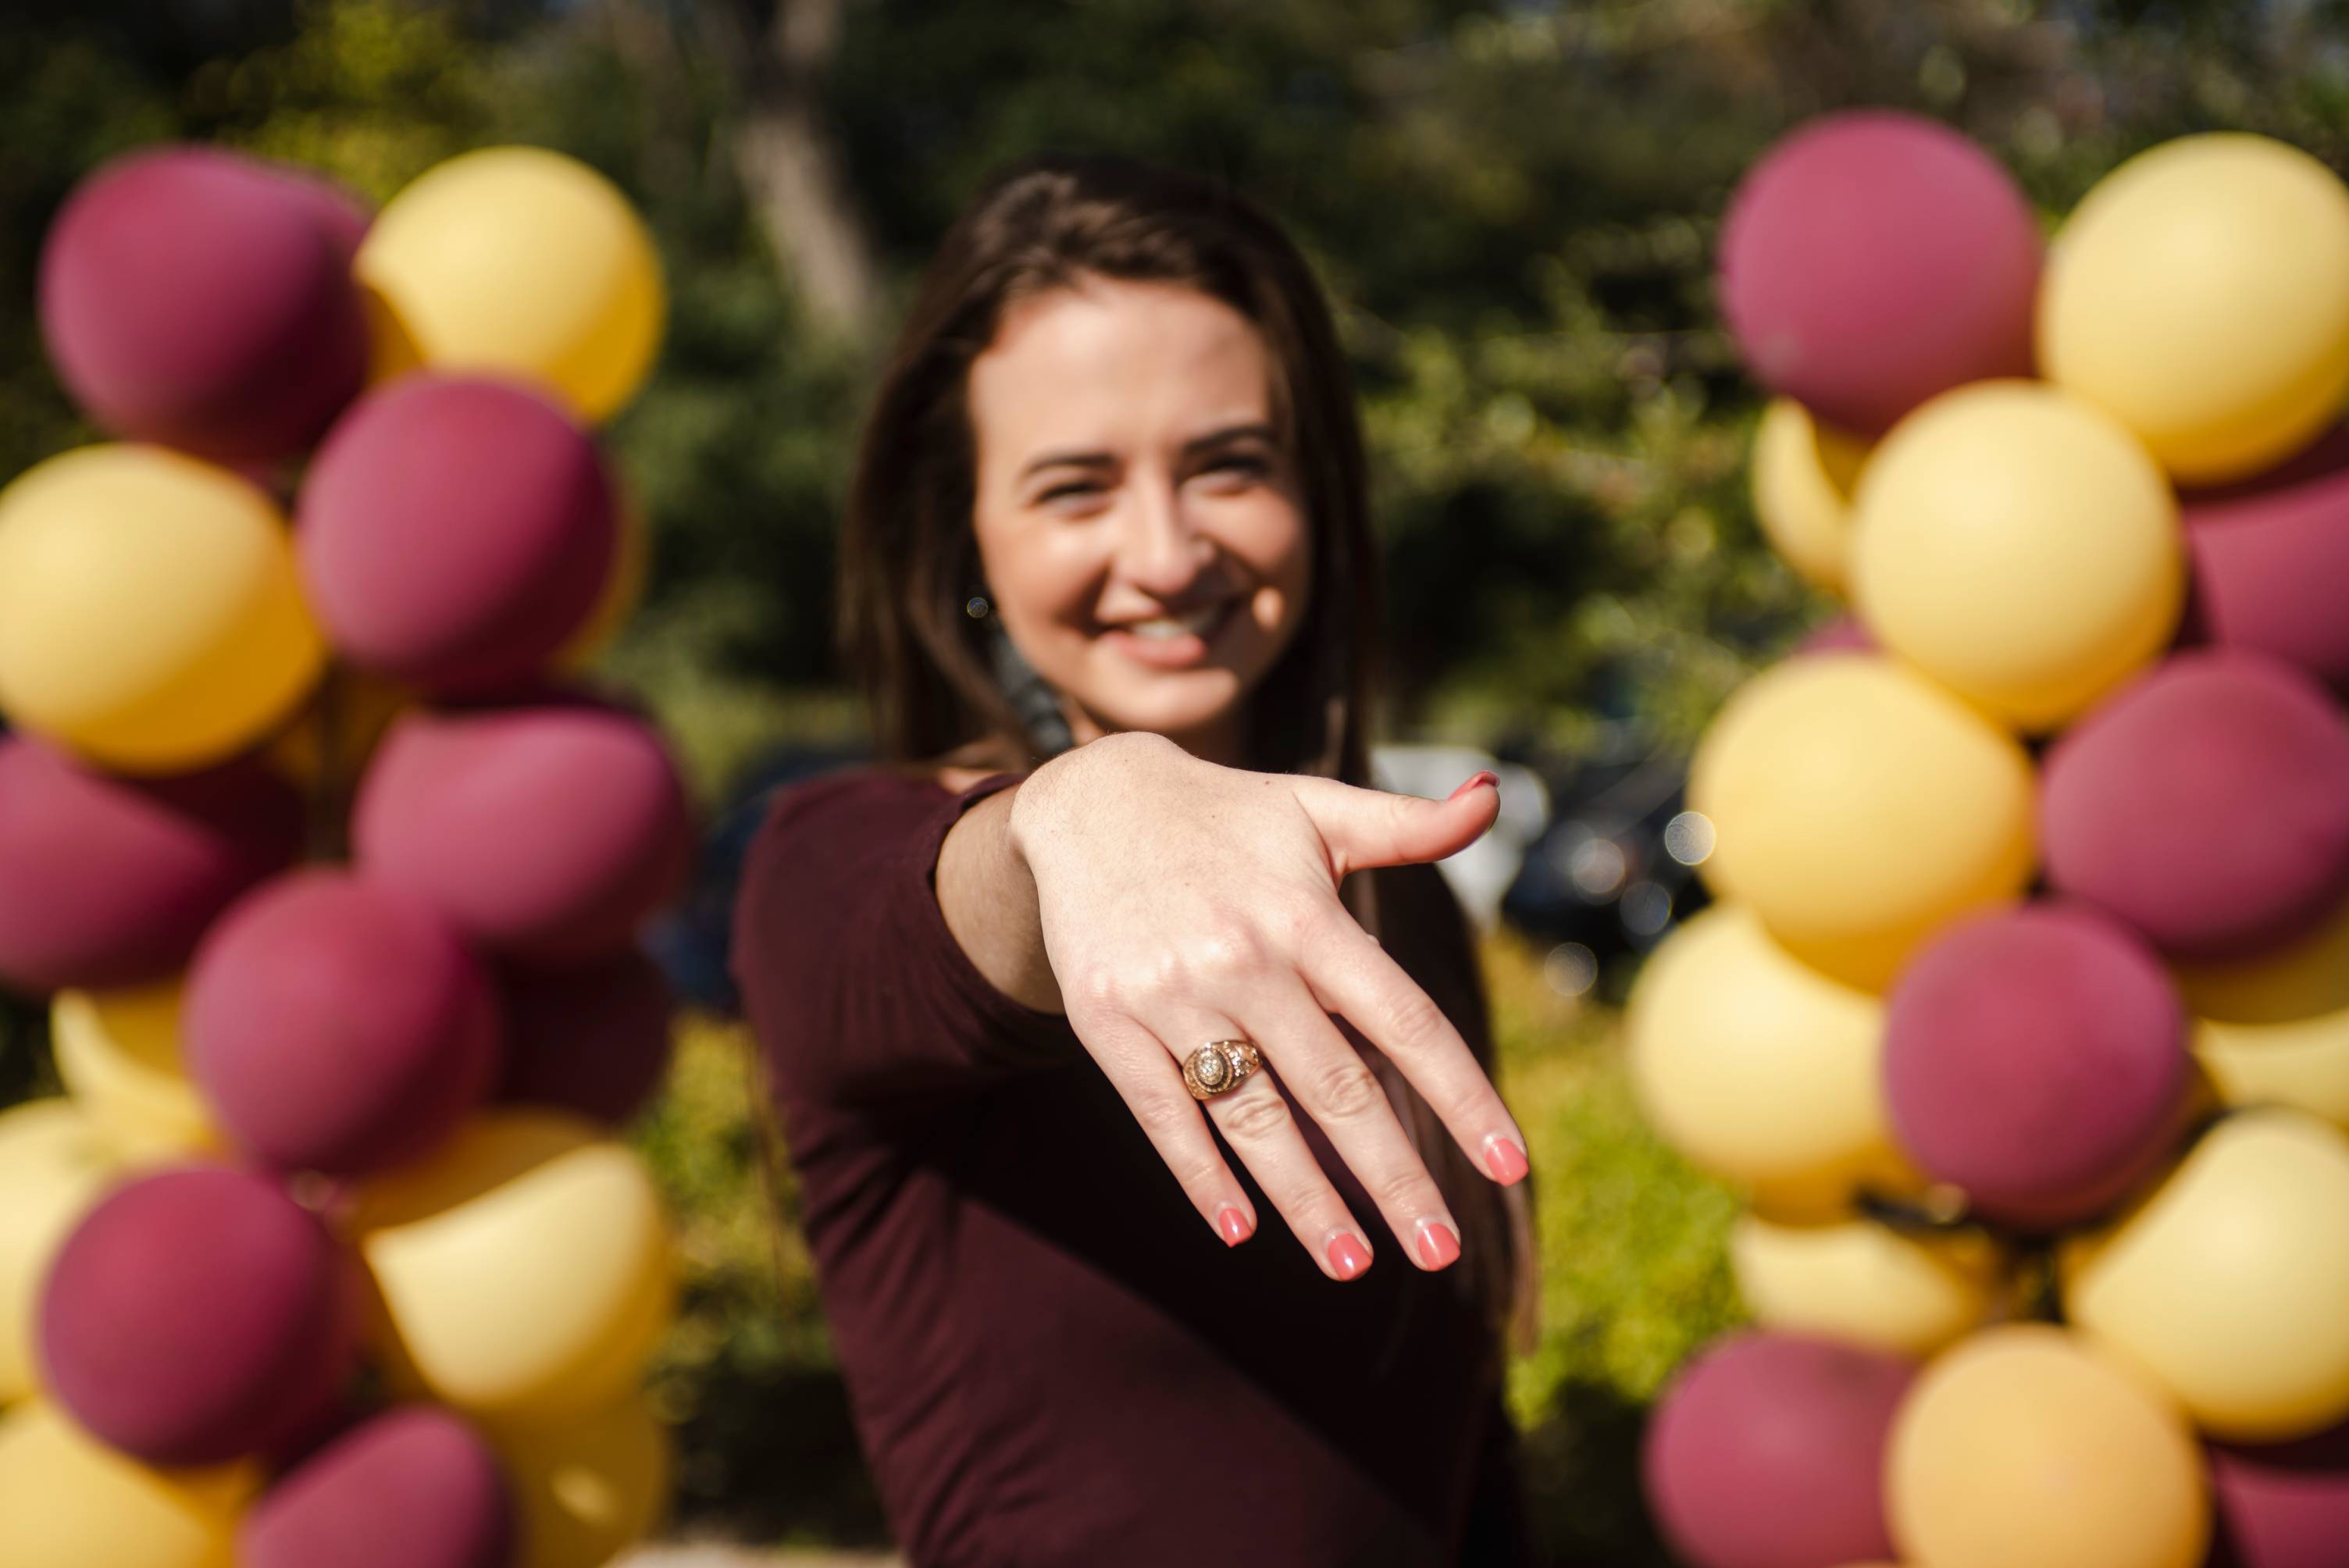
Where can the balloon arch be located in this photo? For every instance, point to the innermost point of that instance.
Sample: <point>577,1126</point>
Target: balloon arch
<point>2023,1019</point>
<point>331,862</point>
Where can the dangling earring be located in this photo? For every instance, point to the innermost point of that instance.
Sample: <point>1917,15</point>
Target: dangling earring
<point>1031,697</point>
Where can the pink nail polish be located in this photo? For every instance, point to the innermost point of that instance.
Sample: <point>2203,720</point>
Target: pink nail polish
<point>1347,1256</point>
<point>1504,1159</point>
<point>1233,1225</point>
<point>1437,1244</point>
<point>1483,776</point>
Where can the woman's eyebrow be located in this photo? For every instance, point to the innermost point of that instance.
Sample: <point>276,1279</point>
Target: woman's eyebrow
<point>1252,430</point>
<point>1255,430</point>
<point>1069,460</point>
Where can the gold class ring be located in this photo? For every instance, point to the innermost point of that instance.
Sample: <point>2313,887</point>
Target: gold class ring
<point>1219,1064</point>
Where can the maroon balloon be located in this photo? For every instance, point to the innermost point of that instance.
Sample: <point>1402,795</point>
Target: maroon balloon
<point>544,835</point>
<point>338,1025</point>
<point>107,882</point>
<point>1767,1450</point>
<point>203,299</point>
<point>2270,555</point>
<point>338,210</point>
<point>2206,804</point>
<point>198,1315</point>
<point>2283,1505</point>
<point>2036,1058</point>
<point>593,1038</point>
<point>1873,259</point>
<point>415,1487</point>
<point>454,531</point>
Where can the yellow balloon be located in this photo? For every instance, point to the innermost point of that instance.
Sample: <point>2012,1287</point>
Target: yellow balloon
<point>119,1054</point>
<point>2023,1448</point>
<point>2227,1281</point>
<point>622,590</point>
<point>149,617</point>
<point>1803,475</point>
<point>2200,293</point>
<point>68,1500</point>
<point>54,1164</point>
<point>1759,1069</point>
<point>1858,808</point>
<point>2274,1030</point>
<point>526,1270</point>
<point>1863,1282</point>
<point>587,1488</point>
<point>519,260</point>
<point>2019,546</point>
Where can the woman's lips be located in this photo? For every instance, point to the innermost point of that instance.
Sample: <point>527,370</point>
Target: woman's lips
<point>1170,652</point>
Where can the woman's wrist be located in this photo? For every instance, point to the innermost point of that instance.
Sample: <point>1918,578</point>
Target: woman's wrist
<point>988,898</point>
<point>1040,801</point>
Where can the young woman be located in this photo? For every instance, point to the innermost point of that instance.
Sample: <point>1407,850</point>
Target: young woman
<point>1130,1056</point>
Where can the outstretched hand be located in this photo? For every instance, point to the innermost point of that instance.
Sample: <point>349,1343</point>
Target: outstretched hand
<point>1181,902</point>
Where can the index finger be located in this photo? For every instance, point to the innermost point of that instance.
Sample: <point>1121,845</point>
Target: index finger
<point>1350,973</point>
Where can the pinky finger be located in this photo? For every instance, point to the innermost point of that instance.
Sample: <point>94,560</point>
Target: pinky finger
<point>1146,1078</point>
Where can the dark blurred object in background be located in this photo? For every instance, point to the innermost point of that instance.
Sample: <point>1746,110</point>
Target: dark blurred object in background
<point>1615,871</point>
<point>690,942</point>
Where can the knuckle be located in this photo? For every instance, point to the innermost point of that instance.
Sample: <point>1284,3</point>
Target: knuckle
<point>1258,1115</point>
<point>1346,1088</point>
<point>1230,947</point>
<point>1164,1113</point>
<point>1478,1102</point>
<point>1201,1175</point>
<point>1403,1191</point>
<point>1098,984</point>
<point>1415,1022</point>
<point>1151,984</point>
<point>1304,923</point>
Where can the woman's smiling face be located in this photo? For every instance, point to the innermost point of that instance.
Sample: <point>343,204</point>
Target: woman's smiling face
<point>1137,509</point>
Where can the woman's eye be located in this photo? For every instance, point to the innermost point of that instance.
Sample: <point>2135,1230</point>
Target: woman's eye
<point>1241,466</point>
<point>1067,491</point>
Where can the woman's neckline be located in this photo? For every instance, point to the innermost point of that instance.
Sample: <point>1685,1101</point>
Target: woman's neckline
<point>955,780</point>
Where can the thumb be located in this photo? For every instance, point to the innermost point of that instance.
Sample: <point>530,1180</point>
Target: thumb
<point>1364,827</point>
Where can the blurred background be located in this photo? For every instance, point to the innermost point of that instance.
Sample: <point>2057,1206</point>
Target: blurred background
<point>1513,207</point>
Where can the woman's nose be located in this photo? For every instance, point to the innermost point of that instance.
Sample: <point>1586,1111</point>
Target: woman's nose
<point>1161,551</point>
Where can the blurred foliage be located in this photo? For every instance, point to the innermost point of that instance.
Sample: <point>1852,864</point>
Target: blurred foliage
<point>1513,207</point>
<point>1635,1275</point>
<point>765,1448</point>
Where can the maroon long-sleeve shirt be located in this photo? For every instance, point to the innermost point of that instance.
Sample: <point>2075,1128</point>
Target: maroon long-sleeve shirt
<point>1051,1359</point>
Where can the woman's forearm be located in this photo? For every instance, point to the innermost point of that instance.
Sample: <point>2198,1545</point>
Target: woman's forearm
<point>989,903</point>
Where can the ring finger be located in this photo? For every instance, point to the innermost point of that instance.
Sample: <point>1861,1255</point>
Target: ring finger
<point>1262,1130</point>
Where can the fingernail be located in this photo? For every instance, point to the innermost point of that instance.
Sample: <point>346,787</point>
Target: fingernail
<point>1348,1256</point>
<point>1483,776</point>
<point>1504,1159</point>
<point>1233,1225</point>
<point>1437,1244</point>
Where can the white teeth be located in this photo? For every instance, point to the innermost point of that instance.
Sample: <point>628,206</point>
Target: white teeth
<point>1165,626</point>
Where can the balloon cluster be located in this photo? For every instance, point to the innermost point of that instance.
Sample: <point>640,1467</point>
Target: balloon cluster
<point>331,867</point>
<point>2024,1017</point>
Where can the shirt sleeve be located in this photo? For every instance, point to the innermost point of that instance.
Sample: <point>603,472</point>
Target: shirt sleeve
<point>852,981</point>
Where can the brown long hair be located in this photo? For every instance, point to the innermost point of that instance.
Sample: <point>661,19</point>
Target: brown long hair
<point>909,556</point>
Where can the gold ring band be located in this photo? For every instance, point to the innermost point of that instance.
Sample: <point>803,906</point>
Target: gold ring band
<point>1219,1066</point>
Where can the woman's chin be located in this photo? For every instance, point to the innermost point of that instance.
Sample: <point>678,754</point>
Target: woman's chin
<point>1177,704</point>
